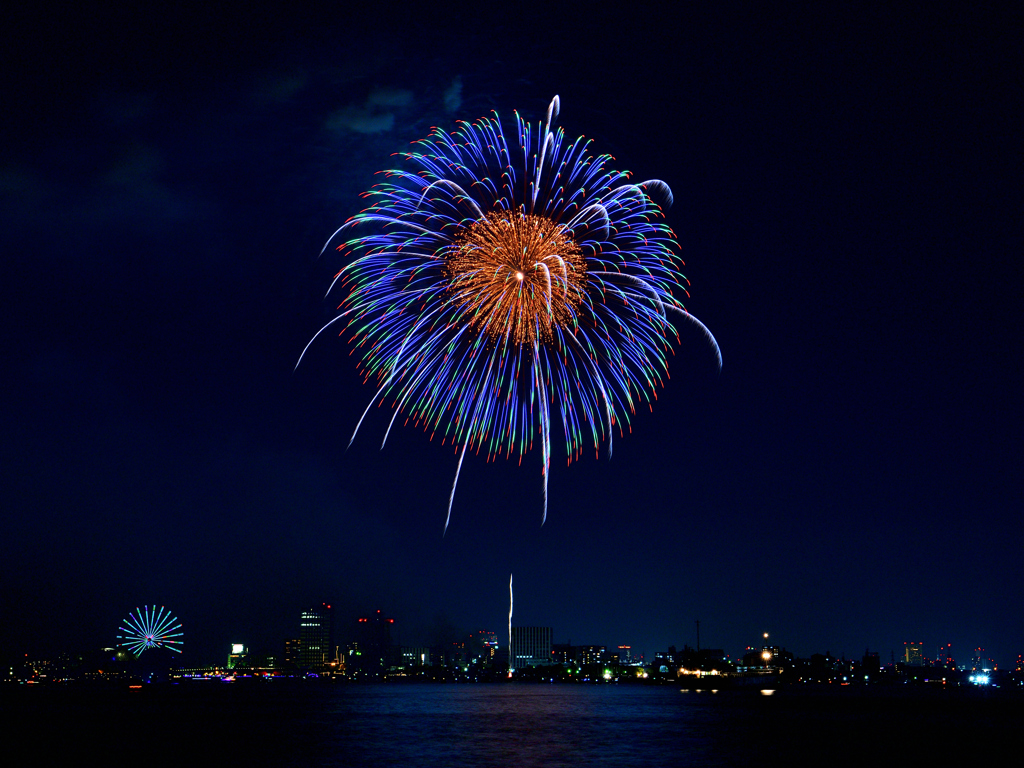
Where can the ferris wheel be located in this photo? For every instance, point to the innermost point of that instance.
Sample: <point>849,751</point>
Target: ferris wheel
<point>150,628</point>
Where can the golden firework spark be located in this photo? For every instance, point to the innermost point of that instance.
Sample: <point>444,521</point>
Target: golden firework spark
<point>517,276</point>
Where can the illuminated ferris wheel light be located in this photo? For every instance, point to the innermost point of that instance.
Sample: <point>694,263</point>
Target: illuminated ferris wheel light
<point>150,628</point>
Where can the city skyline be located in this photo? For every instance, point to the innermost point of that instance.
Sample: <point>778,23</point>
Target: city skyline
<point>366,653</point>
<point>320,635</point>
<point>846,196</point>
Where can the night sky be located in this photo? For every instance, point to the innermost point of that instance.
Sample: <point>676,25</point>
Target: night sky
<point>848,202</point>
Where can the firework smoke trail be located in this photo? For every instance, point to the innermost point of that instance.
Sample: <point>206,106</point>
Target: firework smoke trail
<point>507,284</point>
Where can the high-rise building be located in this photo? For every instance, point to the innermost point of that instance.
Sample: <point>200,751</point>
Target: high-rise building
<point>583,654</point>
<point>315,638</point>
<point>482,646</point>
<point>589,654</point>
<point>370,652</point>
<point>414,656</point>
<point>238,656</point>
<point>944,658</point>
<point>561,653</point>
<point>913,655</point>
<point>870,664</point>
<point>531,647</point>
<point>291,652</point>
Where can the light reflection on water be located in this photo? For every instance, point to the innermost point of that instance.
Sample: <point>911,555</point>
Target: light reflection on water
<point>517,725</point>
<point>291,723</point>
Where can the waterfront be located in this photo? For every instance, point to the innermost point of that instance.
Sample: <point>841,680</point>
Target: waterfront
<point>505,725</point>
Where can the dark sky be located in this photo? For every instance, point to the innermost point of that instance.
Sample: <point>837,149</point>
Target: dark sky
<point>848,202</point>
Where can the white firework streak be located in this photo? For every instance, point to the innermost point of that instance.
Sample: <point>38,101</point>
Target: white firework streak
<point>510,623</point>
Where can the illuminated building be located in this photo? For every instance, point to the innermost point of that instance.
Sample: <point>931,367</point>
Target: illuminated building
<point>912,655</point>
<point>315,638</point>
<point>945,657</point>
<point>414,656</point>
<point>589,654</point>
<point>370,652</point>
<point>482,647</point>
<point>238,656</point>
<point>563,653</point>
<point>531,647</point>
<point>767,658</point>
<point>291,652</point>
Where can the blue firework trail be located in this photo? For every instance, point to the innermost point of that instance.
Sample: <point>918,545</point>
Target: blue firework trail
<point>500,281</point>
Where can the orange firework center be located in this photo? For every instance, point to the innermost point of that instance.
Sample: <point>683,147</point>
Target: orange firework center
<point>516,276</point>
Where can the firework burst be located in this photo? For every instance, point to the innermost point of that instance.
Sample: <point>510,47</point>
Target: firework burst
<point>498,284</point>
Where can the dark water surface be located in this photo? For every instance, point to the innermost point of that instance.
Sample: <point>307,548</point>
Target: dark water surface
<point>505,725</point>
